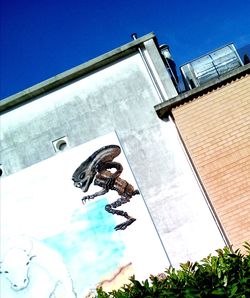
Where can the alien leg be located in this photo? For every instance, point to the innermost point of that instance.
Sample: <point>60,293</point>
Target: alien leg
<point>119,202</point>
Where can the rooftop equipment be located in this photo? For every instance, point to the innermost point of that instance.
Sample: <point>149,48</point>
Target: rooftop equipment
<point>169,63</point>
<point>210,66</point>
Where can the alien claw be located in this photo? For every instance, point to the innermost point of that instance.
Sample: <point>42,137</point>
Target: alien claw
<point>84,199</point>
<point>125,224</point>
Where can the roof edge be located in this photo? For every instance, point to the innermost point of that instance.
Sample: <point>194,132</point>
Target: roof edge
<point>73,73</point>
<point>164,109</point>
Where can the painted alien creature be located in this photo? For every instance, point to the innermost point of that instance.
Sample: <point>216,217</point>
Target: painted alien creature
<point>95,167</point>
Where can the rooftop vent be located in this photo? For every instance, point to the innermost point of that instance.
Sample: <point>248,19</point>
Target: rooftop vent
<point>210,66</point>
<point>169,63</point>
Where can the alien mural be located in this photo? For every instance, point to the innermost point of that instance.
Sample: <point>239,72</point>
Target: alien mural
<point>95,168</point>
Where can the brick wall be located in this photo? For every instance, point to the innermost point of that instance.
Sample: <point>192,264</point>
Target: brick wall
<point>215,128</point>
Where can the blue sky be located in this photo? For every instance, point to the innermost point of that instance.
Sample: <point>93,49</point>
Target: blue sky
<point>40,39</point>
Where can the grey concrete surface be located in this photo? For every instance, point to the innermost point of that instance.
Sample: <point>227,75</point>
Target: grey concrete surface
<point>119,96</point>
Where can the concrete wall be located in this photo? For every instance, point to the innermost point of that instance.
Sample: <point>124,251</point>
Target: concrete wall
<point>121,97</point>
<point>215,129</point>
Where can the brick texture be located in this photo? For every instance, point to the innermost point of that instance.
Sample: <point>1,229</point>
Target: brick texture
<point>215,128</point>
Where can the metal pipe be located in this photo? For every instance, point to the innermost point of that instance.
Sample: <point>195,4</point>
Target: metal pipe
<point>134,36</point>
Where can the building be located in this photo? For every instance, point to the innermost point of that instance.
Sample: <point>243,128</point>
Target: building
<point>213,122</point>
<point>51,128</point>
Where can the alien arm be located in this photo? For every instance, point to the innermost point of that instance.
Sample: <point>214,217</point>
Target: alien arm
<point>91,197</point>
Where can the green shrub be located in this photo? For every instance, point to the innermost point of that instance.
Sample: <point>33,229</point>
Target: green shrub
<point>225,275</point>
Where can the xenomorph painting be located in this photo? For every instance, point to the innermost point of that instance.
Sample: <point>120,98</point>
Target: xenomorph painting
<point>95,168</point>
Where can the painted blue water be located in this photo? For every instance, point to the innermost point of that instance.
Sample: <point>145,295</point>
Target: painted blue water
<point>89,252</point>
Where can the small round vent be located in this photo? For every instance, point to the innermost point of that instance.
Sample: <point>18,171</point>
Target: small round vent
<point>60,144</point>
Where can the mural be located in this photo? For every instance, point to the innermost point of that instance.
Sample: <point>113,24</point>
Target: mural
<point>55,246</point>
<point>96,166</point>
<point>32,269</point>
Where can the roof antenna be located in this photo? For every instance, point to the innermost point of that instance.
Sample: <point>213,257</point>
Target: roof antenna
<point>134,36</point>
